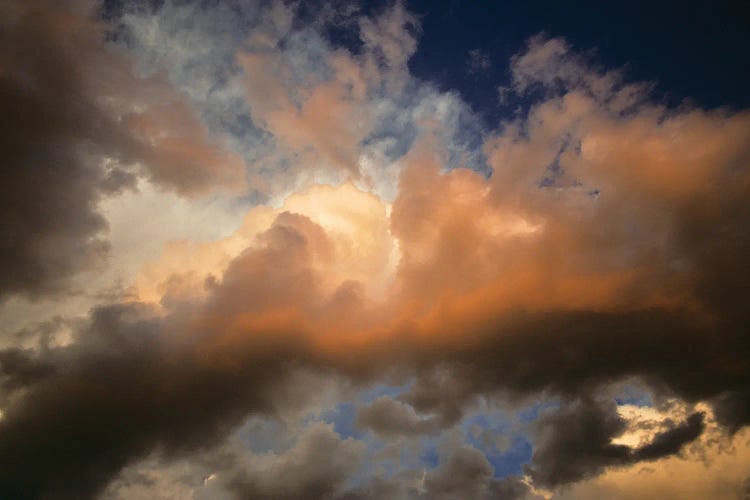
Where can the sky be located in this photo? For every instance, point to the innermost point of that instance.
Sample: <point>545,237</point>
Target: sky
<point>374,250</point>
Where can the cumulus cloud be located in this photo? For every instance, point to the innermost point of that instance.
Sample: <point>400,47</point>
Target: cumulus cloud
<point>318,466</point>
<point>608,244</point>
<point>389,417</point>
<point>463,471</point>
<point>83,124</point>
<point>576,442</point>
<point>711,467</point>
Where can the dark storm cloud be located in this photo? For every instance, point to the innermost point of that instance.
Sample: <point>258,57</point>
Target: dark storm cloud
<point>732,408</point>
<point>180,383</point>
<point>575,442</point>
<point>74,127</point>
<point>18,370</point>
<point>133,383</point>
<point>117,395</point>
<point>672,440</point>
<point>51,136</point>
<point>566,354</point>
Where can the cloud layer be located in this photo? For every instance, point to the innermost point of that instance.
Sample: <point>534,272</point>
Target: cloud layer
<point>593,239</point>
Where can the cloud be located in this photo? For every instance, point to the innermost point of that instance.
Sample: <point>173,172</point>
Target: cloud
<point>49,180</point>
<point>318,466</point>
<point>463,471</point>
<point>712,467</point>
<point>673,439</point>
<point>390,39</point>
<point>322,104</point>
<point>608,244</point>
<point>478,62</point>
<point>576,442</point>
<point>85,123</point>
<point>389,417</point>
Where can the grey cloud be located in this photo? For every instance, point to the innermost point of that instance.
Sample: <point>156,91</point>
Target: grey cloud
<point>732,408</point>
<point>151,394</point>
<point>575,442</point>
<point>463,472</point>
<point>466,473</point>
<point>317,467</point>
<point>18,370</point>
<point>388,417</point>
<point>51,139</point>
<point>81,126</point>
<point>114,400</point>
<point>672,440</point>
<point>132,382</point>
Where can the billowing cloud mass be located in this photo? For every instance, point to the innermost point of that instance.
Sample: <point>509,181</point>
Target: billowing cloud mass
<point>80,122</point>
<point>413,305</point>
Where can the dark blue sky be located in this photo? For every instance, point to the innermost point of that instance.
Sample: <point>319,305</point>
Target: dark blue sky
<point>690,50</point>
